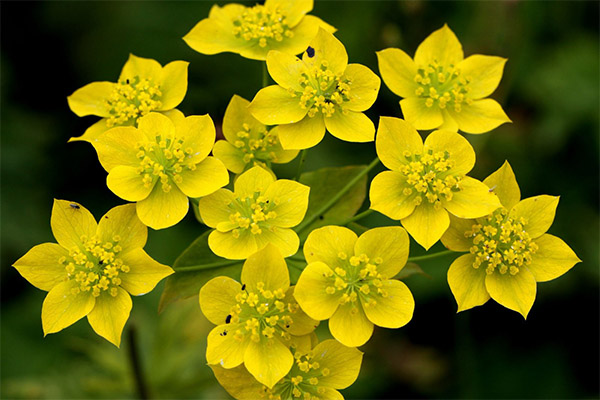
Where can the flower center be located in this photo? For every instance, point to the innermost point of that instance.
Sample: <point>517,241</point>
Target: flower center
<point>258,146</point>
<point>443,86</point>
<point>430,175</point>
<point>261,314</point>
<point>132,99</point>
<point>261,24</point>
<point>323,90</point>
<point>500,243</point>
<point>163,159</point>
<point>95,266</point>
<point>251,213</point>
<point>301,382</point>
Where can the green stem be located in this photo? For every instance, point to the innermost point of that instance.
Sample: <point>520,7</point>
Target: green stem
<point>136,365</point>
<point>298,259</point>
<point>337,197</point>
<point>201,267</point>
<point>300,165</point>
<point>430,256</point>
<point>357,217</point>
<point>265,75</point>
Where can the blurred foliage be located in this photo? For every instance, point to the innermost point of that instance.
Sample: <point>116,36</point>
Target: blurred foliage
<point>550,90</point>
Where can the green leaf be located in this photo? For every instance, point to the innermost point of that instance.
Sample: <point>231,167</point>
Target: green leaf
<point>193,268</point>
<point>411,269</point>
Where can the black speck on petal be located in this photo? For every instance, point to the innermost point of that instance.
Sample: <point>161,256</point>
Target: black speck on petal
<point>310,51</point>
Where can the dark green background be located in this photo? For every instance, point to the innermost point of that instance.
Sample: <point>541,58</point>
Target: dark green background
<point>549,90</point>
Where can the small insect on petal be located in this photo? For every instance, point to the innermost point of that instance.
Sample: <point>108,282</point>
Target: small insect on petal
<point>310,52</point>
<point>74,206</point>
<point>228,319</point>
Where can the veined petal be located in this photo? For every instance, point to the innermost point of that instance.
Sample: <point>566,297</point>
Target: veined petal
<point>454,238</point>
<point>427,224</point>
<point>442,46</point>
<point>227,246</point>
<point>350,326</point>
<point>285,239</point>
<point>156,124</point>
<point>230,156</point>
<point>213,208</point>
<point>449,123</point>
<point>122,223</point>
<point>485,73</point>
<point>217,297</point>
<point>282,156</point>
<point>398,71</point>
<point>91,99</point>
<point>293,11</point>
<point>238,382</point>
<point>302,324</point>
<point>311,292</point>
<point>350,126</point>
<point>327,243</point>
<point>268,360</point>
<point>209,176</point>
<point>389,244</point>
<point>62,308</point>
<point>198,133</point>
<point>467,283</point>
<point>304,32</point>
<point>365,87</point>
<point>117,146</point>
<point>342,362</point>
<point>538,212</point>
<point>40,265</point>
<point>69,222</point>
<point>285,69</point>
<point>293,202</point>
<point>163,209</point>
<point>479,117</point>
<point>504,183</point>
<point>394,137</point>
<point>174,82</point>
<point>223,348</point>
<point>552,259</point>
<point>460,150</point>
<point>92,133</point>
<point>110,314</point>
<point>419,115</point>
<point>473,200</point>
<point>395,309</point>
<point>236,115</point>
<point>144,272</point>
<point>256,179</point>
<point>329,49</point>
<point>274,105</point>
<point>516,292</point>
<point>302,135</point>
<point>387,196</point>
<point>266,266</point>
<point>127,183</point>
<point>142,67</point>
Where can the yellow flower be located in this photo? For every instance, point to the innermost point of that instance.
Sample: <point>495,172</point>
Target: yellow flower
<point>509,250</point>
<point>260,210</point>
<point>249,143</point>
<point>442,89</point>
<point>319,91</point>
<point>315,375</point>
<point>257,320</point>
<point>427,180</point>
<point>347,280</point>
<point>92,268</point>
<point>160,163</point>
<point>252,31</point>
<point>143,86</point>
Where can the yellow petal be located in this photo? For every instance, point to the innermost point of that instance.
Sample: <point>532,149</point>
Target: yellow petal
<point>325,244</point>
<point>538,212</point>
<point>389,244</point>
<point>92,133</point>
<point>274,105</point>
<point>266,266</point>
<point>329,49</point>
<point>302,325</point>
<point>460,150</point>
<point>427,224</point>
<point>223,348</point>
<point>310,292</point>
<point>351,126</point>
<point>504,184</point>
<point>398,71</point>
<point>117,146</point>
<point>62,308</point>
<point>163,209</point>
<point>198,133</point>
<point>330,393</point>
<point>419,115</point>
<point>302,135</point>
<point>394,310</point>
<point>394,137</point>
<point>342,362</point>
<point>449,123</point>
<point>227,246</point>
<point>485,73</point>
<point>350,326</point>
<point>467,283</point>
<point>40,265</point>
<point>91,99</point>
<point>256,179</point>
<point>293,202</point>
<point>285,69</point>
<point>304,32</point>
<point>230,156</point>
<point>209,176</point>
<point>516,292</point>
<point>473,200</point>
<point>123,222</point>
<point>236,115</point>
<point>217,297</point>
<point>454,238</point>
<point>365,87</point>
<point>110,314</point>
<point>282,156</point>
<point>387,197</point>
<point>176,116</point>
<point>238,382</point>
<point>142,67</point>
<point>144,272</point>
<point>126,182</point>
<point>293,11</point>
<point>154,124</point>
<point>442,46</point>
<point>480,117</point>
<point>268,361</point>
<point>553,258</point>
<point>70,221</point>
<point>213,208</point>
<point>174,81</point>
<point>286,240</point>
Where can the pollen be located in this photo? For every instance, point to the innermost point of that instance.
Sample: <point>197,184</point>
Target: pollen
<point>323,91</point>
<point>444,87</point>
<point>132,99</point>
<point>253,213</point>
<point>262,25</point>
<point>258,145</point>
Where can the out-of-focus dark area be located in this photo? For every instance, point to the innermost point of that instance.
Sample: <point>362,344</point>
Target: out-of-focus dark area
<point>550,90</point>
